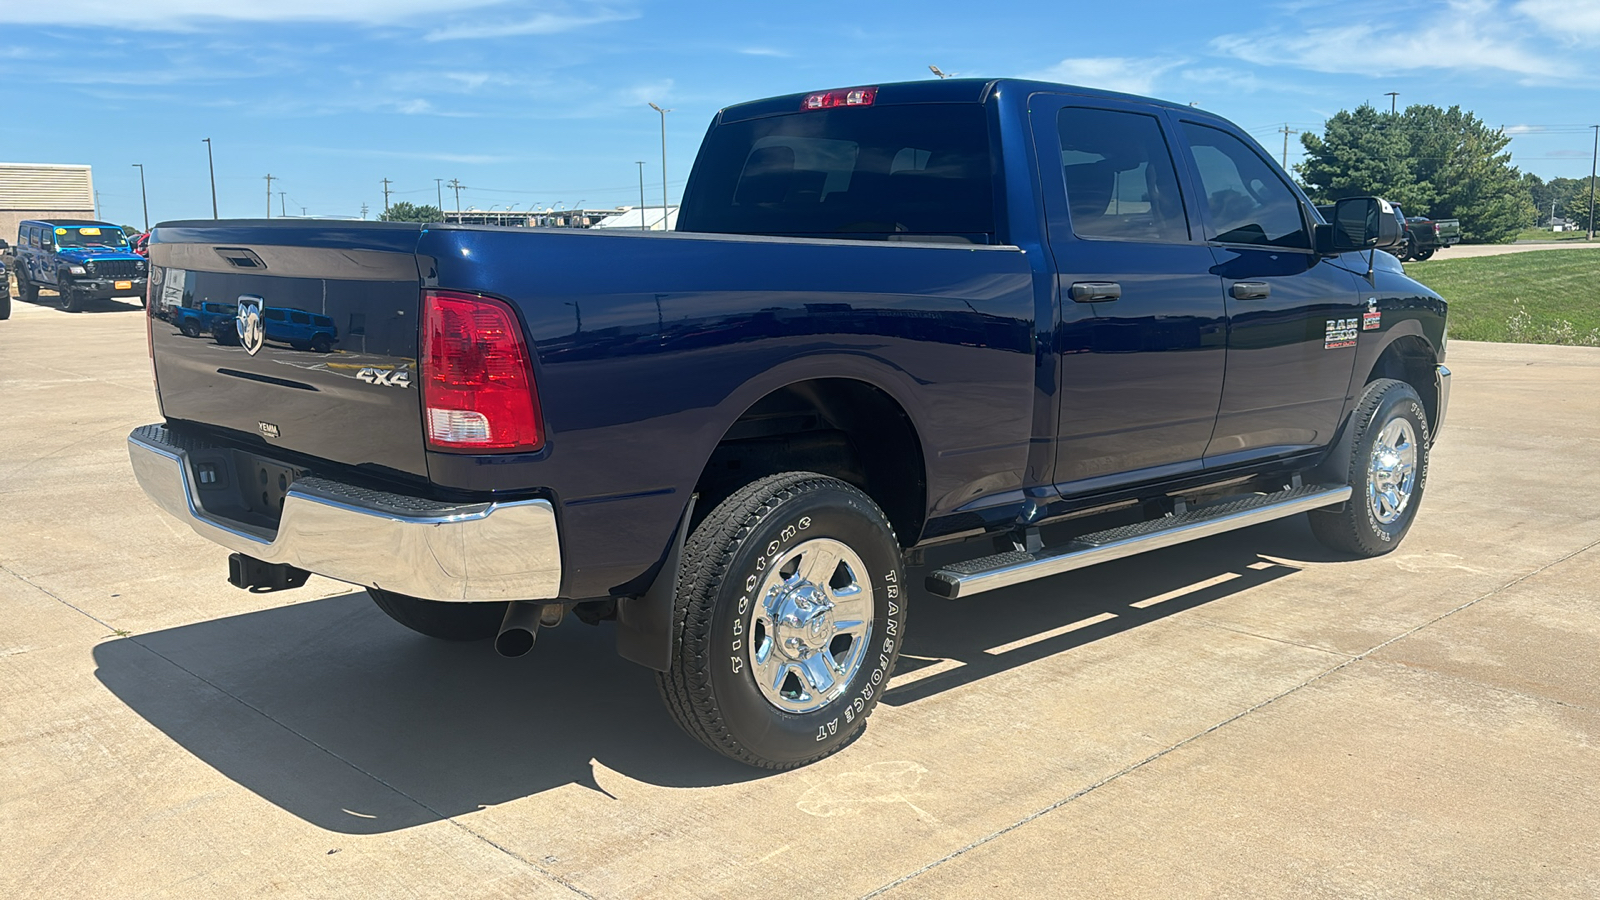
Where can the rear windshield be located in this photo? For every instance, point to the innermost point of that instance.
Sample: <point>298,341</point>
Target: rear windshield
<point>881,173</point>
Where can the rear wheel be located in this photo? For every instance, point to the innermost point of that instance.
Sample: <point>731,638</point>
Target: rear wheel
<point>445,621</point>
<point>788,621</point>
<point>1387,471</point>
<point>189,328</point>
<point>1423,254</point>
<point>28,290</point>
<point>5,307</point>
<point>322,343</point>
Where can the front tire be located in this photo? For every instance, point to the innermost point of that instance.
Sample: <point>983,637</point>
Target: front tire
<point>1387,471</point>
<point>70,301</point>
<point>437,619</point>
<point>5,307</point>
<point>787,623</point>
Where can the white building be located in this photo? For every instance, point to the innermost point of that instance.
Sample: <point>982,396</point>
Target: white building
<point>636,218</point>
<point>43,191</point>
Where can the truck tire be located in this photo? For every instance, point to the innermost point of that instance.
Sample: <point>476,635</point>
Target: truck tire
<point>321,344</point>
<point>189,329</point>
<point>787,621</point>
<point>28,290</point>
<point>445,621</point>
<point>1423,254</point>
<point>5,307</point>
<point>70,300</point>
<point>1387,469</point>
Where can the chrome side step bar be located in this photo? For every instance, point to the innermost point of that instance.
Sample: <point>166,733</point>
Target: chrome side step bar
<point>1005,569</point>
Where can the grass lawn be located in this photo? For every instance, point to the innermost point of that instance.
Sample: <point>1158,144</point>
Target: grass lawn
<point>1519,297</point>
<point>1545,234</point>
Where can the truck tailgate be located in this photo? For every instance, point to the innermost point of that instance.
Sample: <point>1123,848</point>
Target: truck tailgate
<point>298,336</point>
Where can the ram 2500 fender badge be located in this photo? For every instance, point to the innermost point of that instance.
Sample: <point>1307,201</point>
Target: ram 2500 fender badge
<point>268,429</point>
<point>1340,333</point>
<point>252,332</point>
<point>385,377</point>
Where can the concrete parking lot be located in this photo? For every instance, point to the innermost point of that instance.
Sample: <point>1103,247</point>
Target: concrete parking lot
<point>1247,716</point>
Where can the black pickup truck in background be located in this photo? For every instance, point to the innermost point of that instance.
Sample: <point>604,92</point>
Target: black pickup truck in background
<point>1048,326</point>
<point>1425,236</point>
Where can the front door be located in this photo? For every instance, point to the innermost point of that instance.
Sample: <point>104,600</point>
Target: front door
<point>1293,316</point>
<point>1140,338</point>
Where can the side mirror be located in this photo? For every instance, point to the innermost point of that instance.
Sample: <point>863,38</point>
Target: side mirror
<point>1362,223</point>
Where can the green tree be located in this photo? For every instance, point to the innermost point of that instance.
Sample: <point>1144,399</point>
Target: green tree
<point>410,212</point>
<point>1443,163</point>
<point>1576,207</point>
<point>1359,155</point>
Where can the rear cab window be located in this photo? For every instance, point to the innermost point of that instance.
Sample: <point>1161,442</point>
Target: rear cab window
<point>919,171</point>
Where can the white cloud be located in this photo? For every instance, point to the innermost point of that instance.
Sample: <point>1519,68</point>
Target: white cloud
<point>1461,35</point>
<point>1569,19</point>
<point>763,51</point>
<point>1112,73</point>
<point>189,14</point>
<point>1525,129</point>
<point>541,23</point>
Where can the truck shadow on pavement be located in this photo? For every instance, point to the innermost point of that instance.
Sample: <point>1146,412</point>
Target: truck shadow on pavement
<point>52,301</point>
<point>334,713</point>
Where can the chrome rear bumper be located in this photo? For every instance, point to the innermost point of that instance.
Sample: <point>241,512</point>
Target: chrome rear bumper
<point>437,551</point>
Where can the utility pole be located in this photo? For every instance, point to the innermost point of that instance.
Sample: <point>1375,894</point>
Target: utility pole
<point>663,163</point>
<point>97,203</point>
<point>438,191</point>
<point>1592,160</point>
<point>386,183</point>
<point>642,225</point>
<point>1286,132</point>
<point>456,185</point>
<point>281,213</point>
<point>363,211</point>
<point>302,212</point>
<point>210,164</point>
<point>269,195</point>
<point>143,196</point>
<point>1393,96</point>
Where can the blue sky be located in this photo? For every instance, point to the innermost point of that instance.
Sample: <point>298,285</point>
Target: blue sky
<point>530,102</point>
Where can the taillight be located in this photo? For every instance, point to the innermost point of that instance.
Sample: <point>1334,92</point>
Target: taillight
<point>1436,228</point>
<point>861,96</point>
<point>477,377</point>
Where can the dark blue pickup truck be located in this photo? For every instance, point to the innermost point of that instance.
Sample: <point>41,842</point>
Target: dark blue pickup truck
<point>1057,326</point>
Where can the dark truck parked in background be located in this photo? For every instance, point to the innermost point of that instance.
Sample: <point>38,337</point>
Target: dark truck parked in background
<point>1425,236</point>
<point>1057,326</point>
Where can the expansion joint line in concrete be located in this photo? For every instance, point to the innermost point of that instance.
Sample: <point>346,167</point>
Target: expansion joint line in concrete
<point>1134,767</point>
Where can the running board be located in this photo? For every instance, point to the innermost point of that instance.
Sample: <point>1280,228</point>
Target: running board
<point>1006,569</point>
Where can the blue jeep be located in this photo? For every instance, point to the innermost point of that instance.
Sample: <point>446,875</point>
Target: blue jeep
<point>300,329</point>
<point>207,318</point>
<point>80,260</point>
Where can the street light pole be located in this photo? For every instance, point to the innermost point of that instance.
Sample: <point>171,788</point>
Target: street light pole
<point>143,196</point>
<point>640,164</point>
<point>663,113</point>
<point>1592,160</point>
<point>213,167</point>
<point>438,190</point>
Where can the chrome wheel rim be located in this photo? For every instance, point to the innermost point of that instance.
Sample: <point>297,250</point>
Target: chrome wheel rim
<point>810,625</point>
<point>1392,471</point>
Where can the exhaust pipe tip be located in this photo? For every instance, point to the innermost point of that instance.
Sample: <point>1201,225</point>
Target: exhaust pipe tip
<point>514,642</point>
<point>518,630</point>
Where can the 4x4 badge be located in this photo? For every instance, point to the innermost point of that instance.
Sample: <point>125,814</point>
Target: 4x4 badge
<point>385,377</point>
<point>252,331</point>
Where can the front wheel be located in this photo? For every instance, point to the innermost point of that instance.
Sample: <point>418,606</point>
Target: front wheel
<point>5,307</point>
<point>71,301</point>
<point>787,622</point>
<point>1387,470</point>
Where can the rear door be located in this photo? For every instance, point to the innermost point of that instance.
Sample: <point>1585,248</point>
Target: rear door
<point>1140,338</point>
<point>1293,316</point>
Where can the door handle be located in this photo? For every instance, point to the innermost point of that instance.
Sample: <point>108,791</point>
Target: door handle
<point>1092,291</point>
<point>1250,290</point>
